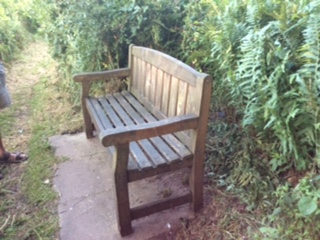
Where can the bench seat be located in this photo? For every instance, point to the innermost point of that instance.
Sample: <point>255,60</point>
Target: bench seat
<point>147,157</point>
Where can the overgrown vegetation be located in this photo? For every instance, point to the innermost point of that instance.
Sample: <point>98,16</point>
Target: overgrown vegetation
<point>264,130</point>
<point>264,56</point>
<point>18,19</point>
<point>94,35</point>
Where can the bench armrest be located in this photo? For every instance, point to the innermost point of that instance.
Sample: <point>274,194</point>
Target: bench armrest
<point>131,133</point>
<point>93,76</point>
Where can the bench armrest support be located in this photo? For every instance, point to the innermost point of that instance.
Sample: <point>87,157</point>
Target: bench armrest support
<point>131,133</point>
<point>104,75</point>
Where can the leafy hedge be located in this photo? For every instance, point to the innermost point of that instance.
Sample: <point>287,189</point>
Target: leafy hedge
<point>264,56</point>
<point>12,34</point>
<point>94,35</point>
<point>17,20</point>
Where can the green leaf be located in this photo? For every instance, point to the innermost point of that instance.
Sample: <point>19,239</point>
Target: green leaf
<point>308,205</point>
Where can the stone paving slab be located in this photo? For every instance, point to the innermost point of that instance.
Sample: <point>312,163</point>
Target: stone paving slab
<point>84,182</point>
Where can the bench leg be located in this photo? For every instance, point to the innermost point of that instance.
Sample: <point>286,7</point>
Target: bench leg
<point>88,126</point>
<point>122,190</point>
<point>196,185</point>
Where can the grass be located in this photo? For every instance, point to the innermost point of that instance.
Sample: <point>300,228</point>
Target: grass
<point>28,202</point>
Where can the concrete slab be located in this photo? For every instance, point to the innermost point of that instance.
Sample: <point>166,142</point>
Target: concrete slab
<point>87,202</point>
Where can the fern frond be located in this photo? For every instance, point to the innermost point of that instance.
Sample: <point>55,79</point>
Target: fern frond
<point>311,48</point>
<point>252,14</point>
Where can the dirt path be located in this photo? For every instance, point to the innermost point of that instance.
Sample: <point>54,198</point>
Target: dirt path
<point>23,74</point>
<point>21,78</point>
<point>20,216</point>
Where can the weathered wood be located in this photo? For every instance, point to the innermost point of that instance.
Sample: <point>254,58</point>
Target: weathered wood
<point>147,90</point>
<point>147,130</point>
<point>142,78</point>
<point>104,75</point>
<point>152,152</point>
<point>132,165</point>
<point>135,174</point>
<point>196,178</point>
<point>173,97</point>
<point>159,90</point>
<point>168,64</point>
<point>131,66</point>
<point>137,153</point>
<point>88,128</point>
<point>153,85</point>
<point>99,119</point>
<point>135,71</point>
<point>165,93</point>
<point>179,148</point>
<point>120,163</point>
<point>157,126</point>
<point>182,98</point>
<point>160,205</point>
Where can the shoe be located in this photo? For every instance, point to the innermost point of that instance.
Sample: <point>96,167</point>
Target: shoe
<point>13,157</point>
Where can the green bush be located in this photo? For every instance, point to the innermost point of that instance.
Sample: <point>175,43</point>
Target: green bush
<point>94,35</point>
<point>295,214</point>
<point>17,20</point>
<point>12,34</point>
<point>264,59</point>
<point>264,56</point>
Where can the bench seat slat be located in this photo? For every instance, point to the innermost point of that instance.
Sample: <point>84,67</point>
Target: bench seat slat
<point>114,114</point>
<point>180,149</point>
<point>132,165</point>
<point>101,121</point>
<point>122,109</point>
<point>138,153</point>
<point>154,150</point>
<point>104,122</point>
<point>139,156</point>
<point>116,121</point>
<point>153,153</point>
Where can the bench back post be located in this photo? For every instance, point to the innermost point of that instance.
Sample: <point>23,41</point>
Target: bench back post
<point>130,65</point>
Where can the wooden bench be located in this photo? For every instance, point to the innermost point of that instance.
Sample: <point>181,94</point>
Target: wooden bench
<point>158,125</point>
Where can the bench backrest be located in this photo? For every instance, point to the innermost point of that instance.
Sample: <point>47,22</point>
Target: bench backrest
<point>168,87</point>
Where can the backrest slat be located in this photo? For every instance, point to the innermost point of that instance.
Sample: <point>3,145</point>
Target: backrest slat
<point>165,96</point>
<point>167,63</point>
<point>159,90</point>
<point>166,86</point>
<point>147,82</point>
<point>182,98</point>
<point>173,97</point>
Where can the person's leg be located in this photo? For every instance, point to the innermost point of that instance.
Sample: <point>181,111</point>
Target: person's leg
<point>7,157</point>
<point>2,152</point>
<point>2,149</point>
<point>5,101</point>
